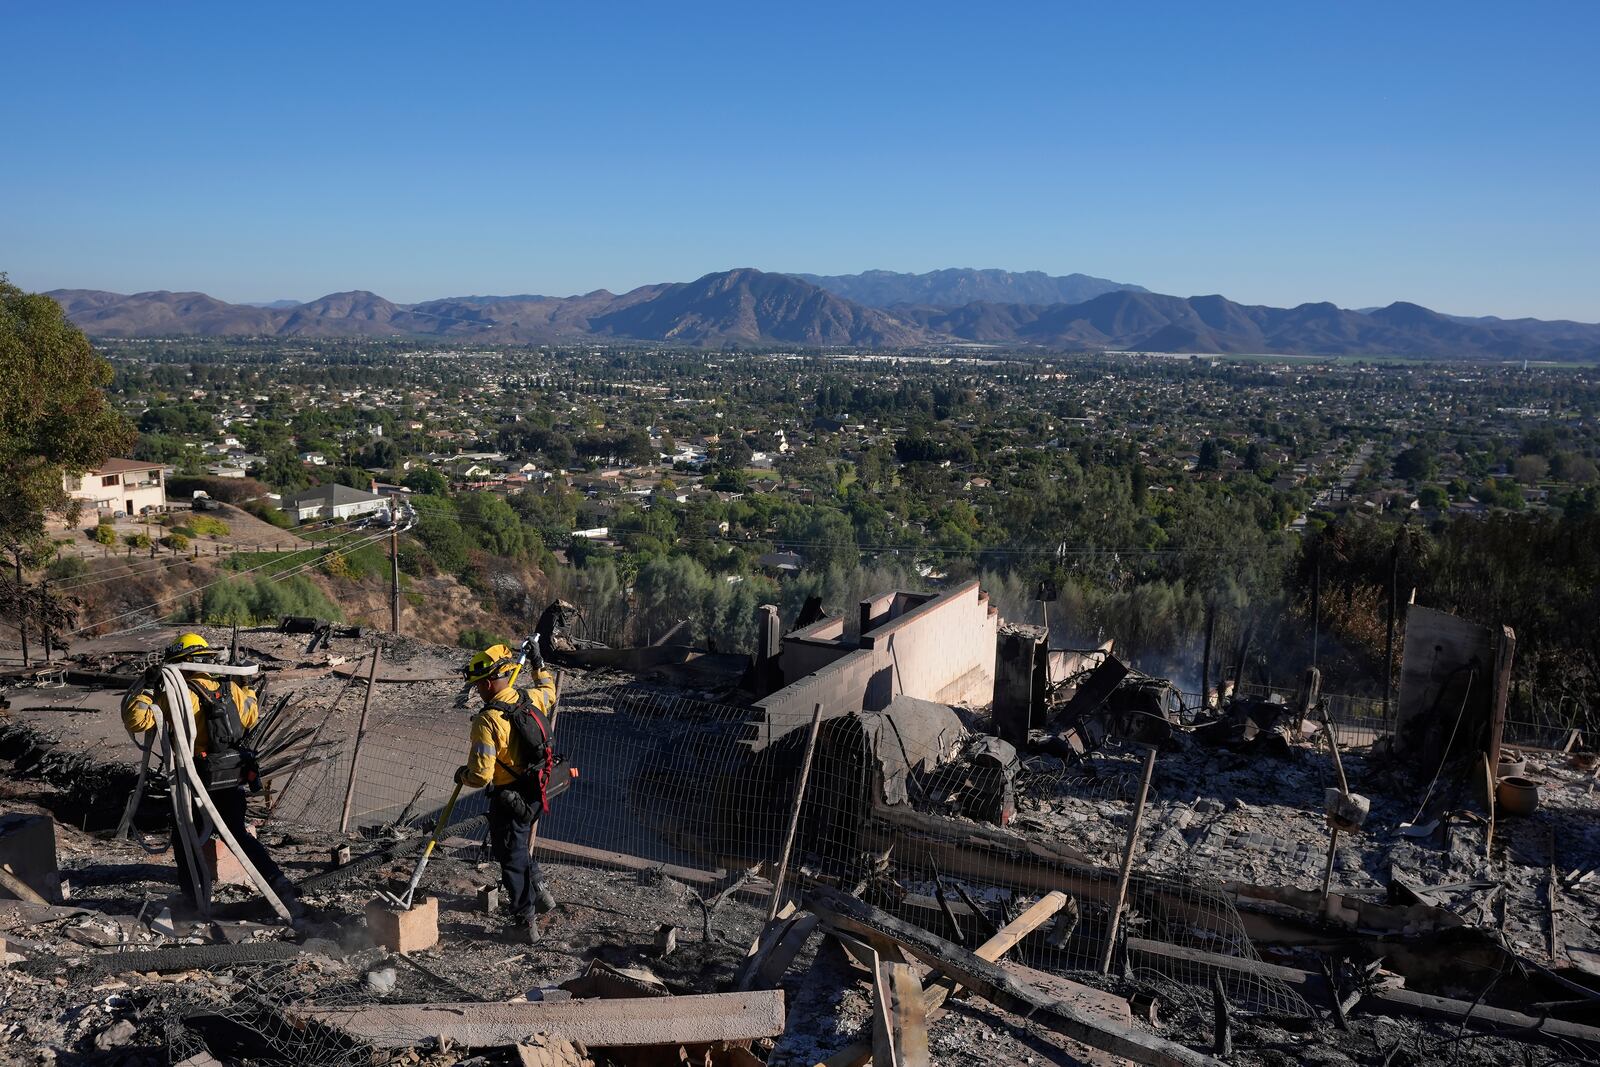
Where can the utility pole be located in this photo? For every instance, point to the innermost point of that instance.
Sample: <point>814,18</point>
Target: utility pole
<point>394,579</point>
<point>22,610</point>
<point>1316,606</point>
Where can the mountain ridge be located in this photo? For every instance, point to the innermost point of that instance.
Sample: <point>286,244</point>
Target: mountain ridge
<point>958,286</point>
<point>746,307</point>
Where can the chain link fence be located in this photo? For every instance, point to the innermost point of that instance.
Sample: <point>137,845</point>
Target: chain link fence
<point>704,791</point>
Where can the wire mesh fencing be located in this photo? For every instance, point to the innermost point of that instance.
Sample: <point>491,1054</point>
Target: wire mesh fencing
<point>896,807</point>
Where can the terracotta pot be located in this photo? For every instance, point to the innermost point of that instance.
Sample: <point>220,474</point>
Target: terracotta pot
<point>1512,765</point>
<point>1517,795</point>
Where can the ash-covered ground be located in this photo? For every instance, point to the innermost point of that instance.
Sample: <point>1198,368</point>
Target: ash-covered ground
<point>1214,815</point>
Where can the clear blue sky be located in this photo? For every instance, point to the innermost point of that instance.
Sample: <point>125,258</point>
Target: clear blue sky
<point>1277,153</point>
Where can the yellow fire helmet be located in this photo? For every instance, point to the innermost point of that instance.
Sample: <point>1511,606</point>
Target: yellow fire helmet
<point>496,661</point>
<point>189,647</point>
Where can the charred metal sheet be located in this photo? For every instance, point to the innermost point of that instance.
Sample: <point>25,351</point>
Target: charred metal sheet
<point>1094,690</point>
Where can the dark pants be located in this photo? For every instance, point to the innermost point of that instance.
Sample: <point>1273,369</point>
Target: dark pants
<point>230,805</point>
<point>510,835</point>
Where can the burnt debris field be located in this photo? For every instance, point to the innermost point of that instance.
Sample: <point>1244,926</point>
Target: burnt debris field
<point>922,835</point>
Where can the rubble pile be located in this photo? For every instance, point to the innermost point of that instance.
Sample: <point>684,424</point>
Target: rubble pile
<point>1090,872</point>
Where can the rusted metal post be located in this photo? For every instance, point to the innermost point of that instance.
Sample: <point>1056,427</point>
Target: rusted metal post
<point>794,814</point>
<point>361,733</point>
<point>1127,859</point>
<point>1344,788</point>
<point>272,808</point>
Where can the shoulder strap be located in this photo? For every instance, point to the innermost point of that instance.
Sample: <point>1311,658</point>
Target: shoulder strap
<point>525,706</point>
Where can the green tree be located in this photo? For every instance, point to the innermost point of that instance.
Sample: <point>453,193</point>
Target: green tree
<point>426,480</point>
<point>54,419</point>
<point>493,522</point>
<point>438,529</point>
<point>1415,464</point>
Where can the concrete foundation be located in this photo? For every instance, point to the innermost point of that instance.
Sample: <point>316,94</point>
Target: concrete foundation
<point>28,848</point>
<point>412,930</point>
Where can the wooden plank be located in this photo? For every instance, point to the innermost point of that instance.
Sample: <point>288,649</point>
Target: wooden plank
<point>994,985</point>
<point>771,970</point>
<point>688,1020</point>
<point>1380,1002</point>
<point>621,861</point>
<point>1090,999</point>
<point>1480,1017</point>
<point>18,888</point>
<point>940,988</point>
<point>905,1037</point>
<point>994,857</point>
<point>1143,953</point>
<point>882,1024</point>
<point>779,943</point>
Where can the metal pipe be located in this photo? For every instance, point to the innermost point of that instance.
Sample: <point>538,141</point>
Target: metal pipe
<point>1127,859</point>
<point>361,732</point>
<point>794,814</point>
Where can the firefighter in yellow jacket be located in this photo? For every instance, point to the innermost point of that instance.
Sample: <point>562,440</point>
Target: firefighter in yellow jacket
<point>224,708</point>
<point>511,753</point>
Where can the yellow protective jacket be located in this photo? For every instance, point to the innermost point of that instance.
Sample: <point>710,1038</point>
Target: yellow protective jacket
<point>494,755</point>
<point>140,713</point>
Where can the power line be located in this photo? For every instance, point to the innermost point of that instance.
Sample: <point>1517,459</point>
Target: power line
<point>200,589</point>
<point>156,567</point>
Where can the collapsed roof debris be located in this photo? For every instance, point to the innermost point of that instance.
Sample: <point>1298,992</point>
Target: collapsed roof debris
<point>987,850</point>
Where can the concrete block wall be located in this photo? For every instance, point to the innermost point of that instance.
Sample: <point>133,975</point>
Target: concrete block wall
<point>941,650</point>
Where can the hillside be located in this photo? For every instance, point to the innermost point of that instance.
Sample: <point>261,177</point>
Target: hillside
<point>956,287</point>
<point>754,308</point>
<point>751,307</point>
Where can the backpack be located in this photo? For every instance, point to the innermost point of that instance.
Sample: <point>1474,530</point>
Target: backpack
<point>534,741</point>
<point>221,764</point>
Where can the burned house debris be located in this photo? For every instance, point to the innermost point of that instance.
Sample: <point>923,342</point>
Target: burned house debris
<point>919,834</point>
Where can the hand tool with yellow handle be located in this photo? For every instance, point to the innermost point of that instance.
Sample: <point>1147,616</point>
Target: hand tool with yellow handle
<point>404,902</point>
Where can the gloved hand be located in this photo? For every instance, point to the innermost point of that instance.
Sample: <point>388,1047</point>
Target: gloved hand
<point>535,656</point>
<point>461,775</point>
<point>152,676</point>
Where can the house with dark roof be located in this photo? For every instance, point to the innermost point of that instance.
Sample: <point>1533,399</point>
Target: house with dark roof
<point>332,501</point>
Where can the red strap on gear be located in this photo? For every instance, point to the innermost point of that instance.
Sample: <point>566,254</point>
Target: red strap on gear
<point>525,707</point>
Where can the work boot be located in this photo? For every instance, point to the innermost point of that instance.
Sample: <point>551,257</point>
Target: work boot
<point>527,931</point>
<point>543,900</point>
<point>290,896</point>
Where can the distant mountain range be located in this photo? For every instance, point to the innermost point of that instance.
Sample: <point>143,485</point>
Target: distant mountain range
<point>748,307</point>
<point>958,287</point>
